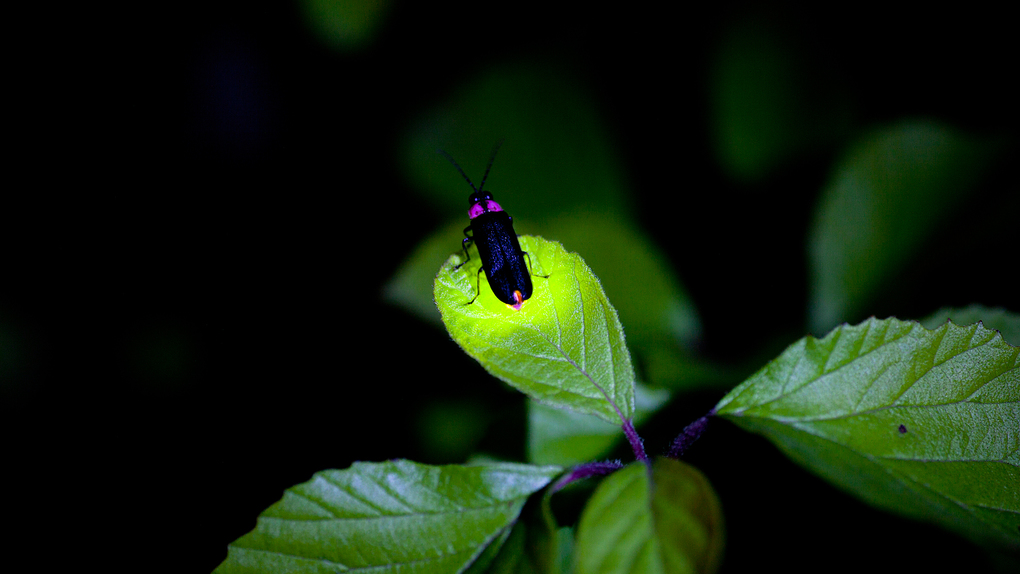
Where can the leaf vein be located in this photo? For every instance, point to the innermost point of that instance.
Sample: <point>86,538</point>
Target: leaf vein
<point>990,507</point>
<point>584,320</point>
<point>789,375</point>
<point>902,391</point>
<point>1015,365</point>
<point>614,383</point>
<point>819,377</point>
<point>556,316</point>
<point>939,347</point>
<point>937,460</point>
<point>349,489</point>
<point>313,501</point>
<point>871,384</point>
<point>868,412</point>
<point>383,517</point>
<point>287,554</point>
<point>386,488</point>
<point>564,357</point>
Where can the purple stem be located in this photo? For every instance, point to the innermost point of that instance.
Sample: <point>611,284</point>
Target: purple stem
<point>690,434</point>
<point>588,469</point>
<point>636,444</point>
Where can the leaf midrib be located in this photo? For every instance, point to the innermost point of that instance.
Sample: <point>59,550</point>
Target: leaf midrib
<point>785,419</point>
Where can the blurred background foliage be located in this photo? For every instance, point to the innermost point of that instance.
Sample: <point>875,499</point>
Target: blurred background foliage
<point>219,257</point>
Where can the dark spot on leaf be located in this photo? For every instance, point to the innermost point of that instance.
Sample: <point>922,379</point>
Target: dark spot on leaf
<point>903,429</point>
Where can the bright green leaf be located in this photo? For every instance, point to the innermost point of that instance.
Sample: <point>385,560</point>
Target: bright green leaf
<point>660,318</point>
<point>922,423</point>
<point>396,516</point>
<point>564,347</point>
<point>559,436</point>
<point>888,194</point>
<point>1006,323</point>
<point>666,521</point>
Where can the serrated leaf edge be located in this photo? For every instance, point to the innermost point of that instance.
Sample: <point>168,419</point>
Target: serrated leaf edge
<point>838,333</point>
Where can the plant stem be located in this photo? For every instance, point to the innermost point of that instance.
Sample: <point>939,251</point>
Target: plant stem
<point>690,434</point>
<point>588,469</point>
<point>636,444</point>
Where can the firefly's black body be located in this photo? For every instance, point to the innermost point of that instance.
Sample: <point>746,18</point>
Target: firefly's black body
<point>492,231</point>
<point>502,259</point>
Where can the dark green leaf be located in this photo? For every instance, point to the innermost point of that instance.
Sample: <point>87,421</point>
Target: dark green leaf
<point>513,555</point>
<point>535,547</point>
<point>556,155</point>
<point>411,286</point>
<point>395,516</point>
<point>346,26</point>
<point>890,191</point>
<point>664,521</point>
<point>923,423</point>
<point>768,103</point>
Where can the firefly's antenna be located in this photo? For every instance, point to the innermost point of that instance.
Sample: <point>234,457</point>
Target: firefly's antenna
<point>464,175</point>
<point>491,159</point>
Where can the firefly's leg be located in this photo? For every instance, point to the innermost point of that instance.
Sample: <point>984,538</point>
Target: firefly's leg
<point>478,286</point>
<point>529,266</point>
<point>466,243</point>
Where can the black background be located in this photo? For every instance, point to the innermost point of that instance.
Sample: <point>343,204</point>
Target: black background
<point>203,204</point>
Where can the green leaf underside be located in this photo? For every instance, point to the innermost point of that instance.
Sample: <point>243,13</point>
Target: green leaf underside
<point>564,347</point>
<point>535,546</point>
<point>671,523</point>
<point>396,516</point>
<point>512,558</point>
<point>922,422</point>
